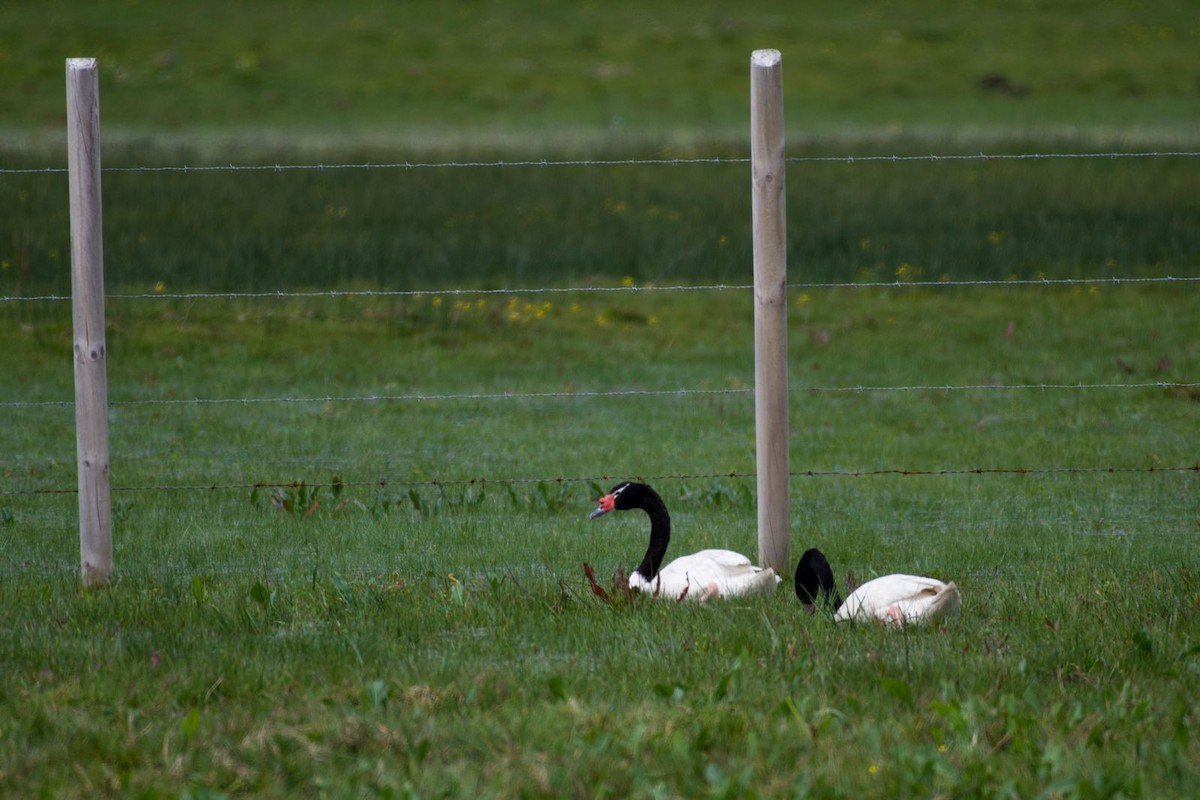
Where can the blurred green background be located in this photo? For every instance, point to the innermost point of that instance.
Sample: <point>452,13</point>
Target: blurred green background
<point>556,75</point>
<point>302,83</point>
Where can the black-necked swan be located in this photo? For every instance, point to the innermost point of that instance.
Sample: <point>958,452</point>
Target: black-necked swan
<point>894,600</point>
<point>699,576</point>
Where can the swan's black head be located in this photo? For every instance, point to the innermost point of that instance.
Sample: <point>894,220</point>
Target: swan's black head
<point>625,496</point>
<point>814,580</point>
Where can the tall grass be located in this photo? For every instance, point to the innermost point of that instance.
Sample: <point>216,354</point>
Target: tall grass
<point>428,228</point>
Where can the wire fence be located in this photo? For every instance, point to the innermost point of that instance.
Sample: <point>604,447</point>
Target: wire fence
<point>914,285</point>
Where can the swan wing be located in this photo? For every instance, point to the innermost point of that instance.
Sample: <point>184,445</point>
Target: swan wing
<point>710,573</point>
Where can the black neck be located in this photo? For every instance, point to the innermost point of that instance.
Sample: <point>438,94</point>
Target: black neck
<point>660,534</point>
<point>814,580</point>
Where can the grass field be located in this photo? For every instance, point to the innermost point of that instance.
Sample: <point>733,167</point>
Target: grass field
<point>421,638</point>
<point>350,530</point>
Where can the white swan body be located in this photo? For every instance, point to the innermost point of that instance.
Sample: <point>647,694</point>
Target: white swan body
<point>699,576</point>
<point>899,600</point>
<point>706,574</point>
<point>894,600</point>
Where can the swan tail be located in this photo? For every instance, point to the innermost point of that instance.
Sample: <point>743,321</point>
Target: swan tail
<point>947,602</point>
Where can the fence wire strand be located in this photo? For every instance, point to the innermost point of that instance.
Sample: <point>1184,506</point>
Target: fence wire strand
<point>538,290</point>
<point>602,162</point>
<point>384,483</point>
<point>604,394</point>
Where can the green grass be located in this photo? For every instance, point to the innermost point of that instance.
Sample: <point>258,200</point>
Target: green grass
<point>322,594</point>
<point>526,227</point>
<point>439,639</point>
<point>424,75</point>
<point>168,350</point>
<point>260,84</point>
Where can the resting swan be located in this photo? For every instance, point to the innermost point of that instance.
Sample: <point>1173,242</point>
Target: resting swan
<point>894,600</point>
<point>699,576</point>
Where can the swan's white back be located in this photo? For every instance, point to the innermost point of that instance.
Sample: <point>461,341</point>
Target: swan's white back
<point>900,600</point>
<point>706,574</point>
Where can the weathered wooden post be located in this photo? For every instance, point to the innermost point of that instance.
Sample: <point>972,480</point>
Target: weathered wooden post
<point>87,307</point>
<point>770,308</point>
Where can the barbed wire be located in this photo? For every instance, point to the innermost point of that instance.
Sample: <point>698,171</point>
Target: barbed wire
<point>648,287</point>
<point>383,483</point>
<point>335,293</point>
<point>605,394</point>
<point>604,162</point>
<point>159,570</point>
<point>398,397</point>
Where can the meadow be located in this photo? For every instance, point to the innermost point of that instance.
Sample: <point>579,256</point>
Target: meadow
<point>359,416</point>
<point>385,597</point>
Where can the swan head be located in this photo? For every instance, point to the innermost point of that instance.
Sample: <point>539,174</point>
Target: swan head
<point>627,495</point>
<point>621,497</point>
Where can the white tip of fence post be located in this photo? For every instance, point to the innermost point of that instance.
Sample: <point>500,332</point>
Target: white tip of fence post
<point>81,63</point>
<point>766,58</point>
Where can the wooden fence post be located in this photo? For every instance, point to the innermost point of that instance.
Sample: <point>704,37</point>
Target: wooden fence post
<point>770,308</point>
<point>87,311</point>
